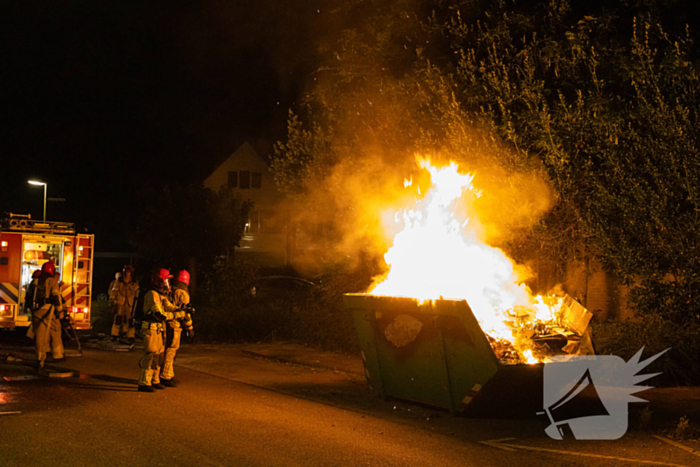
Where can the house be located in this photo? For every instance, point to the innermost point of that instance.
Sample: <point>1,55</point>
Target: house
<point>248,174</point>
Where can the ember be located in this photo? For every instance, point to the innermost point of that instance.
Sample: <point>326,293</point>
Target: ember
<point>439,255</point>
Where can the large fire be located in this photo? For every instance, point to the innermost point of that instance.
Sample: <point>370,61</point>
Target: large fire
<point>438,255</point>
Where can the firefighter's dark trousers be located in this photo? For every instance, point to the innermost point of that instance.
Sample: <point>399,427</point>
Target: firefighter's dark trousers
<point>153,351</point>
<point>47,333</point>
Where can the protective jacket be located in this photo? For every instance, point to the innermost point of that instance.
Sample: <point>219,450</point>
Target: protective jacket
<point>52,293</point>
<point>157,308</point>
<point>181,295</point>
<point>125,293</point>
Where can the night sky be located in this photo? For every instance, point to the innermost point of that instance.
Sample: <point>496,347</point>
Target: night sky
<point>101,99</point>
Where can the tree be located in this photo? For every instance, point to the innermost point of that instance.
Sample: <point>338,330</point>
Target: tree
<point>184,222</point>
<point>611,109</point>
<point>601,98</point>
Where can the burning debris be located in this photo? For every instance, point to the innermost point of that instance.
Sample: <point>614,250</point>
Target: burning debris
<point>440,253</point>
<point>536,340</point>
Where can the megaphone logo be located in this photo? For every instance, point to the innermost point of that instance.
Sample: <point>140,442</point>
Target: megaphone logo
<point>587,397</point>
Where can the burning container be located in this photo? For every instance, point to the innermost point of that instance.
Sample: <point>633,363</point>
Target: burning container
<point>436,353</point>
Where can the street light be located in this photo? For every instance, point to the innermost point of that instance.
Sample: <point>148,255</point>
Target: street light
<point>34,182</point>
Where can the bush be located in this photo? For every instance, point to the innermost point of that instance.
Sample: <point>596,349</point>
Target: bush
<point>318,319</point>
<point>654,333</point>
<point>229,314</point>
<point>323,321</point>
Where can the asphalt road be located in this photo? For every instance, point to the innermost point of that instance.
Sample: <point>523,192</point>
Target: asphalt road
<point>236,410</point>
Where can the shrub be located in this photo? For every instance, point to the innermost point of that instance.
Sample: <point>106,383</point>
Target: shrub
<point>228,314</point>
<point>323,321</point>
<point>318,318</point>
<point>654,333</point>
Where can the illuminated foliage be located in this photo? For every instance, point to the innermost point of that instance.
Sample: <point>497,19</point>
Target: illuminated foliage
<point>610,106</point>
<point>601,97</point>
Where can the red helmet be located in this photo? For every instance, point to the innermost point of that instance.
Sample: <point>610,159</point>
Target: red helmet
<point>128,268</point>
<point>36,274</point>
<point>48,267</point>
<point>184,276</point>
<point>160,277</point>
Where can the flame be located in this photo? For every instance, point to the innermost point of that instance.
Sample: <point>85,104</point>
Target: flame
<point>529,358</point>
<point>438,255</point>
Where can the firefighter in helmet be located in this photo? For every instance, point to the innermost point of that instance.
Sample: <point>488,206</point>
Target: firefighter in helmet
<point>125,293</point>
<point>45,317</point>
<point>173,328</point>
<point>157,309</point>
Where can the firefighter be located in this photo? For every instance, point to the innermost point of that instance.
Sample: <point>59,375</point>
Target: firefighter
<point>45,316</point>
<point>157,309</point>
<point>125,293</point>
<point>173,328</point>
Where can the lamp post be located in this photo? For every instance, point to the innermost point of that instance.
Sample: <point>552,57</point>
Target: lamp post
<point>34,182</point>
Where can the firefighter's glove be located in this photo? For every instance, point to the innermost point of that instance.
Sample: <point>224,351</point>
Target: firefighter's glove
<point>186,321</point>
<point>189,333</point>
<point>189,308</point>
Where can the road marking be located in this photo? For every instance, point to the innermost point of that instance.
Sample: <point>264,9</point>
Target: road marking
<point>678,445</point>
<point>8,413</point>
<point>495,443</point>
<point>498,443</point>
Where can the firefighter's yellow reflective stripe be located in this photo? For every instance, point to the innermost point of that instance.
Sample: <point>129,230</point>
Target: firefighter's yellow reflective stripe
<point>8,292</point>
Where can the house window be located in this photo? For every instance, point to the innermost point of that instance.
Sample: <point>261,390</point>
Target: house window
<point>257,179</point>
<point>245,179</point>
<point>233,179</point>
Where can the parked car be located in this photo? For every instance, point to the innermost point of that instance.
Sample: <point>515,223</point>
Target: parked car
<point>287,288</point>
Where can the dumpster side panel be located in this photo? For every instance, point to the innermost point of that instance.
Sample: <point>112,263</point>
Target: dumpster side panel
<point>433,353</point>
<point>407,372</point>
<point>368,349</point>
<point>415,371</point>
<point>469,357</point>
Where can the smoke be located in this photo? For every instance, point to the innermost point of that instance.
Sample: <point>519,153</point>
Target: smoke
<point>358,201</point>
<point>382,106</point>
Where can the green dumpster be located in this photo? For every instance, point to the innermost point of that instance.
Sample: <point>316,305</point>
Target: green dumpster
<point>437,354</point>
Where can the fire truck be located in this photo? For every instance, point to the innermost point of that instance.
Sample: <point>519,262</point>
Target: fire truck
<point>25,245</point>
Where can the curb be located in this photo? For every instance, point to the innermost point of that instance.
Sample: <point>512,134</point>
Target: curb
<point>251,353</point>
